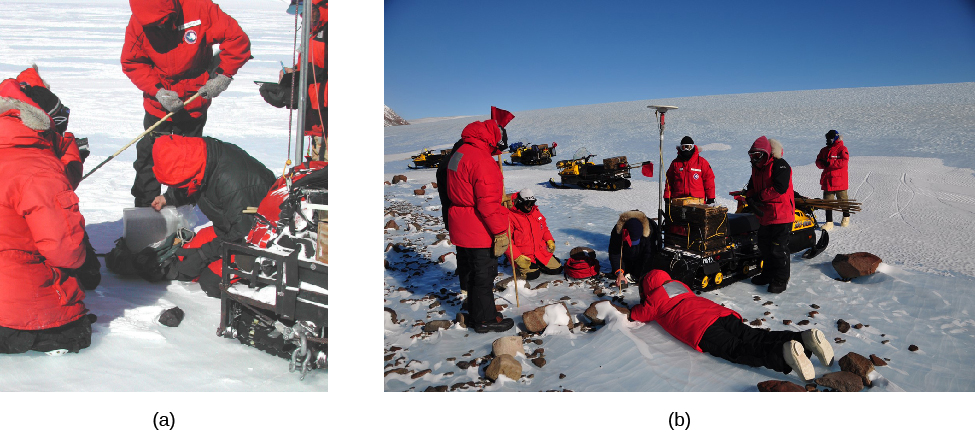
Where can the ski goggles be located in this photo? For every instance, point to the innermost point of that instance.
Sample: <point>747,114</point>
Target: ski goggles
<point>686,147</point>
<point>756,156</point>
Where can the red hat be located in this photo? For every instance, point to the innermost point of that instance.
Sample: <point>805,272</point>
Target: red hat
<point>30,77</point>
<point>152,12</point>
<point>179,161</point>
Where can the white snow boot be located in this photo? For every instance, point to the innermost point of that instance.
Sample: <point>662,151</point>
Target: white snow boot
<point>845,222</point>
<point>827,226</point>
<point>795,357</point>
<point>815,341</point>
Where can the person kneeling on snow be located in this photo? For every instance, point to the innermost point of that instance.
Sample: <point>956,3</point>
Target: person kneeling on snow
<point>631,247</point>
<point>41,301</point>
<point>223,180</point>
<point>532,243</point>
<point>709,327</point>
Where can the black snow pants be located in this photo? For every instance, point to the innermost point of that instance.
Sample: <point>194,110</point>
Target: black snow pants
<point>773,243</point>
<point>145,188</point>
<point>477,268</point>
<point>73,336</point>
<point>736,342</point>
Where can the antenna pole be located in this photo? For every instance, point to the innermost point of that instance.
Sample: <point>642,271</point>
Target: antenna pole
<point>303,84</point>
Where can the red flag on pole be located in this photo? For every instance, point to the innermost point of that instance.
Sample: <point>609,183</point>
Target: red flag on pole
<point>501,116</point>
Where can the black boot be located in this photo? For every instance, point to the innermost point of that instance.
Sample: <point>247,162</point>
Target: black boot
<point>777,287</point>
<point>762,279</point>
<point>498,324</point>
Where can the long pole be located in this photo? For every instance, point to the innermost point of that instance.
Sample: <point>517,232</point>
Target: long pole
<point>303,84</point>
<point>514,270</point>
<point>151,128</point>
<point>662,111</point>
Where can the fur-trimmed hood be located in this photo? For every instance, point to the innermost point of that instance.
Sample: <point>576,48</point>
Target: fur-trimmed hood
<point>13,102</point>
<point>639,215</point>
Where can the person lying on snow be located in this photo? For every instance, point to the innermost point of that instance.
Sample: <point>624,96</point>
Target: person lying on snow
<point>72,152</point>
<point>709,327</point>
<point>631,247</point>
<point>223,180</point>
<point>41,302</point>
<point>532,243</point>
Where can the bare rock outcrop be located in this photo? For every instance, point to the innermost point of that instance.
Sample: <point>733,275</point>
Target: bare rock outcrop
<point>505,365</point>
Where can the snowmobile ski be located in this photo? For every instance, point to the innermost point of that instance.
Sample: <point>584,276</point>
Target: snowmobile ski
<point>552,182</point>
<point>819,247</point>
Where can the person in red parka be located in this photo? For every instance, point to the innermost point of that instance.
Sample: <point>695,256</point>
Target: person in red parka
<point>709,327</point>
<point>316,111</point>
<point>689,174</point>
<point>41,302</point>
<point>168,54</point>
<point>769,193</point>
<point>478,222</point>
<point>223,180</point>
<point>833,160</point>
<point>532,243</point>
<point>70,150</point>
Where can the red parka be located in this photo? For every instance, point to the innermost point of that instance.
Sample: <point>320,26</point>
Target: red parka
<point>690,178</point>
<point>474,186</point>
<point>176,55</point>
<point>42,227</point>
<point>833,160</point>
<point>771,183</point>
<point>529,234</point>
<point>676,308</point>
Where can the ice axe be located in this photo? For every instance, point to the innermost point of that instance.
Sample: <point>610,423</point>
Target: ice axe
<point>661,111</point>
<point>151,128</point>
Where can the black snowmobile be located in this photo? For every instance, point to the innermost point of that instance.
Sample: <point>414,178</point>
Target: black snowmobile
<point>612,174</point>
<point>531,154</point>
<point>275,298</point>
<point>428,159</point>
<point>707,248</point>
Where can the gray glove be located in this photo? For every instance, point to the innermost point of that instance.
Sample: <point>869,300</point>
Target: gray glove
<point>170,100</point>
<point>215,86</point>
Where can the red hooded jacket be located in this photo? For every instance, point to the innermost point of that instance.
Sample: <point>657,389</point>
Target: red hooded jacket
<point>690,178</point>
<point>42,227</point>
<point>771,183</point>
<point>833,160</point>
<point>675,307</point>
<point>176,55</point>
<point>529,234</point>
<point>474,186</point>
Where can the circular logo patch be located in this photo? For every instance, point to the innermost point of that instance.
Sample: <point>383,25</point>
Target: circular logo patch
<point>190,37</point>
<point>696,176</point>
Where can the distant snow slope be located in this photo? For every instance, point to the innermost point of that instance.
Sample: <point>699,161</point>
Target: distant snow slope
<point>912,173</point>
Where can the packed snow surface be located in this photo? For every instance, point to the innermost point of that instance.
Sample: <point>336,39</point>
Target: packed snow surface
<point>77,45</point>
<point>911,167</point>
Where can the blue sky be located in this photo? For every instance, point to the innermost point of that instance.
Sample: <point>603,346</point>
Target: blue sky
<point>447,58</point>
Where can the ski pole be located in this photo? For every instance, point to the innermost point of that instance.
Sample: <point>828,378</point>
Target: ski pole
<point>151,128</point>
<point>511,256</point>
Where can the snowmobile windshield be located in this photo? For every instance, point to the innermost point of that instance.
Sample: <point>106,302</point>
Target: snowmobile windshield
<point>581,153</point>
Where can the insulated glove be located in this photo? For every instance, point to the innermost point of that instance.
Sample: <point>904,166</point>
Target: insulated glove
<point>523,263</point>
<point>83,149</point>
<point>169,100</point>
<point>709,201</point>
<point>500,244</point>
<point>214,86</point>
<point>551,245</point>
<point>755,205</point>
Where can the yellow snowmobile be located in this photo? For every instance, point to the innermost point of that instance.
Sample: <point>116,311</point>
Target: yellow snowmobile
<point>612,174</point>
<point>428,159</point>
<point>532,154</point>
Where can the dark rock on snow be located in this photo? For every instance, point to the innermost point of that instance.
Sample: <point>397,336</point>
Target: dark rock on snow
<point>842,326</point>
<point>171,317</point>
<point>859,365</point>
<point>779,386</point>
<point>841,381</point>
<point>856,264</point>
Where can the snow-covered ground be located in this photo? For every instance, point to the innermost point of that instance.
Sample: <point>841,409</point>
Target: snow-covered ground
<point>911,168</point>
<point>77,45</point>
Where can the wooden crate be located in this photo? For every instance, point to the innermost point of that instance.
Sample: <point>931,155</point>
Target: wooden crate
<point>322,255</point>
<point>697,213</point>
<point>715,226</point>
<point>700,245</point>
<point>614,162</point>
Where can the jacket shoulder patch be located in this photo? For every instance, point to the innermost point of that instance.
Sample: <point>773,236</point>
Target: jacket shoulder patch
<point>455,161</point>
